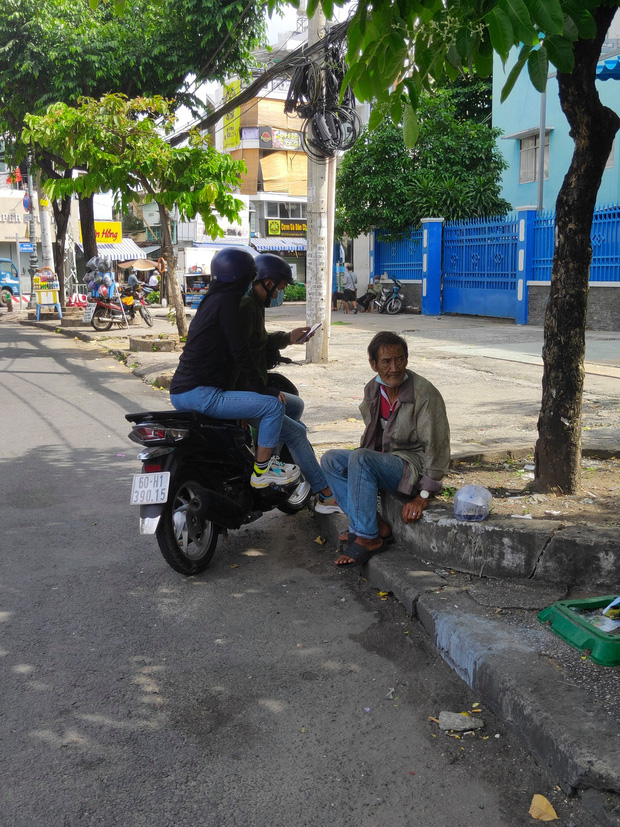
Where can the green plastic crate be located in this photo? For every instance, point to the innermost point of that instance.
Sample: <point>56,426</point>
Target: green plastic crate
<point>603,647</point>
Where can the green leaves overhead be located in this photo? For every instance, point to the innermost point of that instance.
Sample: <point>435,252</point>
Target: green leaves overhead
<point>118,145</point>
<point>400,47</point>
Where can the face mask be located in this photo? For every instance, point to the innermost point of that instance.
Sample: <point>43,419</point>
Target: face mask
<point>277,300</point>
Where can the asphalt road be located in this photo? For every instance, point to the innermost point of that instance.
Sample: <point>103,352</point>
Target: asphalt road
<point>273,690</point>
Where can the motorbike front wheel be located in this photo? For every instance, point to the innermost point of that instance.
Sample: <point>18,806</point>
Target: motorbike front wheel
<point>393,307</point>
<point>146,315</point>
<point>185,550</point>
<point>102,319</point>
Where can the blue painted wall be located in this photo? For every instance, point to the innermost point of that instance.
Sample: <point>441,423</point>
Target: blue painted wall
<point>521,111</point>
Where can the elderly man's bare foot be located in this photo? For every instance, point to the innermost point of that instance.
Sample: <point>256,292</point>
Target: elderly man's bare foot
<point>362,543</point>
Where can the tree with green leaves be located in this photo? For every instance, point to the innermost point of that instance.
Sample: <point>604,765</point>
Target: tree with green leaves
<point>119,144</point>
<point>58,51</point>
<point>453,170</point>
<point>398,49</point>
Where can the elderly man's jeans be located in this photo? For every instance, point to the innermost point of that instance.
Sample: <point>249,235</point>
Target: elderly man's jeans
<point>293,435</point>
<point>268,411</point>
<point>356,477</point>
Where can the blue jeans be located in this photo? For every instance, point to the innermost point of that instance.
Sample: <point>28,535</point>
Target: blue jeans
<point>268,411</point>
<point>356,477</point>
<point>293,435</point>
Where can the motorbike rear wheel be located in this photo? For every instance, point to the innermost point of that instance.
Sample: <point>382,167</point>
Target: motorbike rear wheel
<point>183,552</point>
<point>146,315</point>
<point>393,306</point>
<point>102,319</point>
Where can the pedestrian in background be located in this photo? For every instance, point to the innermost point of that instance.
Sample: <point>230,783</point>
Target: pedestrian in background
<point>349,286</point>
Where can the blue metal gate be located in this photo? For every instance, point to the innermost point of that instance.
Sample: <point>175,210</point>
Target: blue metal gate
<point>480,267</point>
<point>402,258</point>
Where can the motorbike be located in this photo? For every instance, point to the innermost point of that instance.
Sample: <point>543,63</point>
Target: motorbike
<point>391,298</point>
<point>195,484</point>
<point>108,311</point>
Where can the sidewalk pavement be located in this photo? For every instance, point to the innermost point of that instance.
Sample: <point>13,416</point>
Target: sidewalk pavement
<point>476,588</point>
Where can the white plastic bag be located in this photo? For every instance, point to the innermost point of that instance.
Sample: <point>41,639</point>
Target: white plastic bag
<point>472,503</point>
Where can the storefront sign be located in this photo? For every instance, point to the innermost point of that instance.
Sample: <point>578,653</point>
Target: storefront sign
<point>271,138</point>
<point>231,136</point>
<point>107,232</point>
<point>286,227</point>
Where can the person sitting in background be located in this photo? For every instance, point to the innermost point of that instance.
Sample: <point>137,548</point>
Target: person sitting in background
<point>153,280</point>
<point>374,291</point>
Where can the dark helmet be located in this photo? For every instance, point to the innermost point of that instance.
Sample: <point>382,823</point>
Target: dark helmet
<point>233,264</point>
<point>270,266</point>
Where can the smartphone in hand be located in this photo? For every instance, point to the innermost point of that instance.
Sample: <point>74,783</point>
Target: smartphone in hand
<point>310,333</point>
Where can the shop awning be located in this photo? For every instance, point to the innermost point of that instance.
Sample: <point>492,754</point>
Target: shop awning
<point>609,69</point>
<point>125,251</point>
<point>281,244</point>
<point>228,241</point>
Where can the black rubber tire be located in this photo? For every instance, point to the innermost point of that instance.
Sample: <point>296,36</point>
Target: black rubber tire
<point>101,319</point>
<point>194,558</point>
<point>6,297</point>
<point>393,307</point>
<point>146,315</point>
<point>299,498</point>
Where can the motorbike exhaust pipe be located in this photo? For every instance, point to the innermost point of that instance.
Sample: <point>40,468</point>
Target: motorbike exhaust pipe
<point>209,505</point>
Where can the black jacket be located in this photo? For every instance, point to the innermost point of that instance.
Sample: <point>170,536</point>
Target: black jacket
<point>216,344</point>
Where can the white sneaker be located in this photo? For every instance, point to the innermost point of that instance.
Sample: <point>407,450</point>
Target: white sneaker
<point>327,505</point>
<point>278,473</point>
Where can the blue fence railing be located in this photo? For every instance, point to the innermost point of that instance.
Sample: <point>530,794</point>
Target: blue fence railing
<point>487,263</point>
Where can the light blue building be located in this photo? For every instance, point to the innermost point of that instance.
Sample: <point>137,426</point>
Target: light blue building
<point>519,118</point>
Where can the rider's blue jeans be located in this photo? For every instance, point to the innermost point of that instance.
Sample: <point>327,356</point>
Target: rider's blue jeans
<point>356,477</point>
<point>294,435</point>
<point>268,411</point>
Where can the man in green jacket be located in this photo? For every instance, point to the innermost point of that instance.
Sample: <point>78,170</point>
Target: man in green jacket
<point>405,447</point>
<point>272,276</point>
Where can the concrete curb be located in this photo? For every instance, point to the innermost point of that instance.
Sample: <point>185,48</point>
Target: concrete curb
<point>530,549</point>
<point>567,736</point>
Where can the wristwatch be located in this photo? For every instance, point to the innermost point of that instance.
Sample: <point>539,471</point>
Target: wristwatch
<point>424,494</point>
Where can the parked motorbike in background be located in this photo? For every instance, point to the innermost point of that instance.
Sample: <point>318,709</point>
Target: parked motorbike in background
<point>195,484</point>
<point>110,306</point>
<point>391,298</point>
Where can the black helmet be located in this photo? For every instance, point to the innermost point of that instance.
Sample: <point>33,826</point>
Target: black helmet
<point>233,264</point>
<point>270,266</point>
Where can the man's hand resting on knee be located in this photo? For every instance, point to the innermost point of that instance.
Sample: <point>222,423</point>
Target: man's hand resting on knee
<point>414,509</point>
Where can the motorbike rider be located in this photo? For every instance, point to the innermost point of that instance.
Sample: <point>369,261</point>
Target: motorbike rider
<point>215,347</point>
<point>272,276</point>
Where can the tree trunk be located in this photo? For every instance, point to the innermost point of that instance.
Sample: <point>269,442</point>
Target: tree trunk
<point>174,291</point>
<point>592,127</point>
<point>87,227</point>
<point>62,213</point>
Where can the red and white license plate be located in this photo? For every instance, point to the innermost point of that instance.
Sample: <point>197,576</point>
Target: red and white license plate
<point>150,489</point>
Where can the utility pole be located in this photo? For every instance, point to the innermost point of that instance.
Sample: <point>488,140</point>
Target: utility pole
<point>319,251</point>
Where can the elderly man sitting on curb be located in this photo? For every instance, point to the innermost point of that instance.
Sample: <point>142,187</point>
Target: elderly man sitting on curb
<point>405,448</point>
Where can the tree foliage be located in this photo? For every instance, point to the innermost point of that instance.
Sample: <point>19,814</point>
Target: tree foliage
<point>120,146</point>
<point>58,51</point>
<point>453,171</point>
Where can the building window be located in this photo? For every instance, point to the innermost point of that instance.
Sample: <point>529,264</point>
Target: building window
<point>529,149</point>
<point>284,209</point>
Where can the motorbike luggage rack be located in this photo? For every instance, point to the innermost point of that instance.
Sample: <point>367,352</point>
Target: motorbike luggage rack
<point>180,416</point>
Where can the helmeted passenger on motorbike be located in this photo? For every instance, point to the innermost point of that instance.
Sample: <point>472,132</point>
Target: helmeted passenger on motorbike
<point>273,274</point>
<point>216,349</point>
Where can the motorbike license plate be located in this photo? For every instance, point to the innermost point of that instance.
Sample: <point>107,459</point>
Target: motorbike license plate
<point>89,312</point>
<point>150,489</point>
